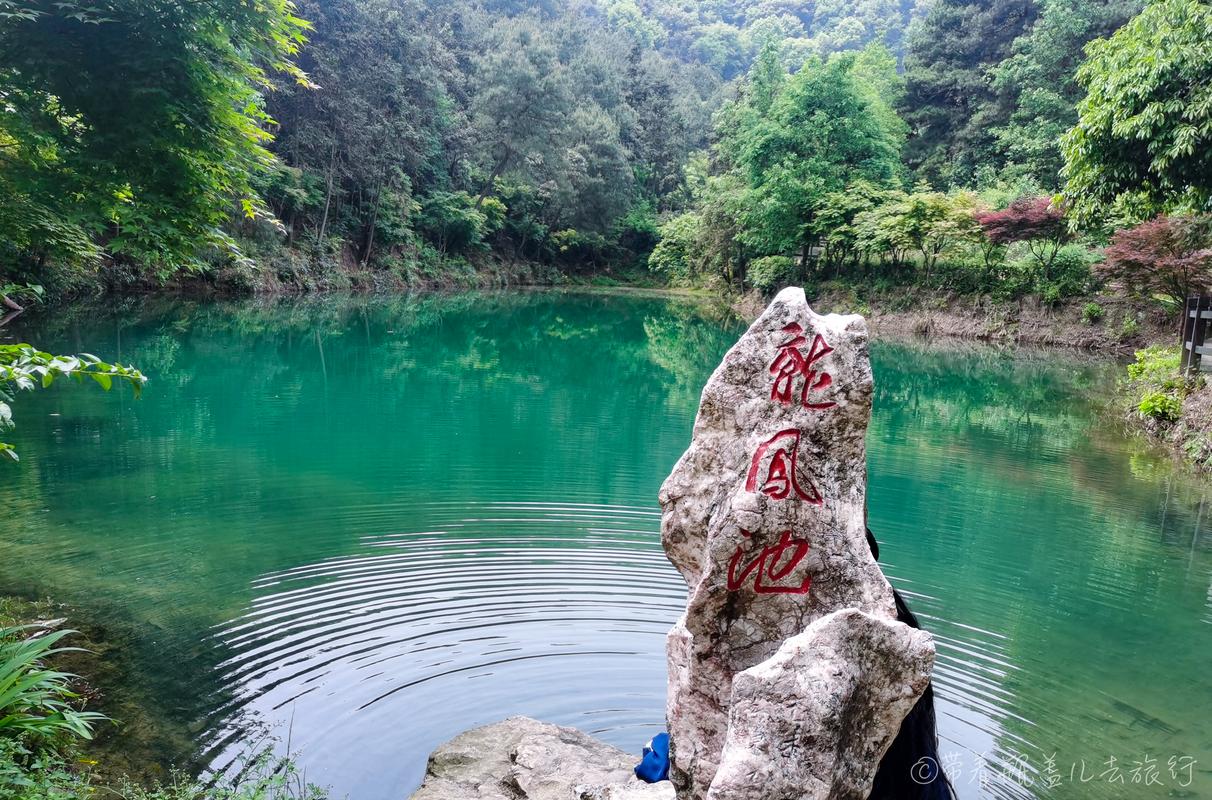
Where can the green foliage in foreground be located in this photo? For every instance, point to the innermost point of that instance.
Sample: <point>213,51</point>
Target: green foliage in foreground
<point>42,726</point>
<point>1160,405</point>
<point>24,367</point>
<point>60,771</point>
<point>263,777</point>
<point>35,698</point>
<point>136,125</point>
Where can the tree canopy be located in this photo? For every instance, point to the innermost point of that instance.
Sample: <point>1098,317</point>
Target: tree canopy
<point>949,103</point>
<point>1143,138</point>
<point>404,142</point>
<point>135,125</point>
<point>799,138</point>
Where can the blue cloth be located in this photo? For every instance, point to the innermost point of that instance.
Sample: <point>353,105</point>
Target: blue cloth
<point>654,766</point>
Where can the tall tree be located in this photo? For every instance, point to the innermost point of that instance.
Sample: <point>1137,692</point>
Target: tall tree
<point>661,136</point>
<point>139,122</point>
<point>1143,138</point>
<point>823,131</point>
<point>523,98</point>
<point>949,104</point>
<point>1038,82</point>
<point>378,124</point>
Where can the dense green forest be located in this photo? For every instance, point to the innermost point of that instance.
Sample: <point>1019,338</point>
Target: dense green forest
<point>970,145</point>
<point>900,150</point>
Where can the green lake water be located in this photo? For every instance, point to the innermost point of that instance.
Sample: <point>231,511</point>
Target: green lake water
<point>366,524</point>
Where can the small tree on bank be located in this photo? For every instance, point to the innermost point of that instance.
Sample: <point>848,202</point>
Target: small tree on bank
<point>1167,256</point>
<point>927,222</point>
<point>1035,221</point>
<point>824,131</point>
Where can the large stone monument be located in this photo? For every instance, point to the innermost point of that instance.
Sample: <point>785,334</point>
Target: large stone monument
<point>765,517</point>
<point>789,674</point>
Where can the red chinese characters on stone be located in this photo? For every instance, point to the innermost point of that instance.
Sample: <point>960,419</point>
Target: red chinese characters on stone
<point>774,569</point>
<point>774,470</point>
<point>791,363</point>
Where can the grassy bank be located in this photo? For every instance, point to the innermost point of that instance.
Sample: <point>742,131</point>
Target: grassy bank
<point>1168,407</point>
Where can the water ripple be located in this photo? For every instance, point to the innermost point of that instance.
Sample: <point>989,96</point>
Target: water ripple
<point>493,608</point>
<point>534,595</point>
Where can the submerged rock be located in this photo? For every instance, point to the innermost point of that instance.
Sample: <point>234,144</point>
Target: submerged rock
<point>524,759</point>
<point>813,720</point>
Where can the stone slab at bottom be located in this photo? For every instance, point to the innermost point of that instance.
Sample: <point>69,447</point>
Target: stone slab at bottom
<point>524,759</point>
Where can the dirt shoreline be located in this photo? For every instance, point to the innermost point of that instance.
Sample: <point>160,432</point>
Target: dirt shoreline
<point>1118,327</point>
<point>1121,328</point>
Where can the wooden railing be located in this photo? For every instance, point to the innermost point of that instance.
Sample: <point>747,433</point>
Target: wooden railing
<point>1195,328</point>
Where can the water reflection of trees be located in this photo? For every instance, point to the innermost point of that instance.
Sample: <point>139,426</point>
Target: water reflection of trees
<point>278,390</point>
<point>289,403</point>
<point>309,401</point>
<point>1036,521</point>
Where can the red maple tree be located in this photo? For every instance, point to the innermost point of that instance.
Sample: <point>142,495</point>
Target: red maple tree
<point>1033,220</point>
<point>1170,256</point>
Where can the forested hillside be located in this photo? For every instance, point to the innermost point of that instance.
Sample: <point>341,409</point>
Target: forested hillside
<point>381,143</point>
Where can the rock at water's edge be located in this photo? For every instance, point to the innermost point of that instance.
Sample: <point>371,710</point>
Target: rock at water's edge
<point>524,759</point>
<point>765,515</point>
<point>814,720</point>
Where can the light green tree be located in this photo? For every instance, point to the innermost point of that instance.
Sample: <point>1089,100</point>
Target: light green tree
<point>626,16</point>
<point>824,131</point>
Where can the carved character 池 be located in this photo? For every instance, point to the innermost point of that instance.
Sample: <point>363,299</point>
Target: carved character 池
<point>769,575</point>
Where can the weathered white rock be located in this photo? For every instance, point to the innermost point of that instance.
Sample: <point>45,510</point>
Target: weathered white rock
<point>636,790</point>
<point>765,515</point>
<point>813,721</point>
<point>524,759</point>
<point>789,675</point>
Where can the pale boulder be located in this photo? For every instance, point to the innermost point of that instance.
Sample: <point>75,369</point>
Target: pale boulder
<point>765,515</point>
<point>524,759</point>
<point>813,721</point>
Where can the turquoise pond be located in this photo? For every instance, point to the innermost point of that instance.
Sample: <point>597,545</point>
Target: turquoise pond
<point>366,524</point>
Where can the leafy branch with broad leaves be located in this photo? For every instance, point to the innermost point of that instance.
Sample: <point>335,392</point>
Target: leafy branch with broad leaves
<point>132,129</point>
<point>24,367</point>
